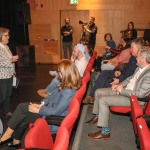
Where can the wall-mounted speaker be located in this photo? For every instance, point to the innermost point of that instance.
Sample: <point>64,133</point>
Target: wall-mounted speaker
<point>26,55</point>
<point>23,15</point>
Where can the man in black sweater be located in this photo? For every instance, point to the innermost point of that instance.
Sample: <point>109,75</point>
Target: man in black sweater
<point>67,38</point>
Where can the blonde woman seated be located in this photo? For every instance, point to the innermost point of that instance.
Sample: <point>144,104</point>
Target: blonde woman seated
<point>56,104</point>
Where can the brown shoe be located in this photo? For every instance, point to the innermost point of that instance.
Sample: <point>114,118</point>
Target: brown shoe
<point>99,135</point>
<point>43,93</point>
<point>88,99</point>
<point>93,120</point>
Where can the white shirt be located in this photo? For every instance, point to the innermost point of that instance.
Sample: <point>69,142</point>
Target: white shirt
<point>7,68</point>
<point>81,65</point>
<point>131,84</point>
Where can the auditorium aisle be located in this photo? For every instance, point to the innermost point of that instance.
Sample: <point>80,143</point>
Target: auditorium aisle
<point>122,135</point>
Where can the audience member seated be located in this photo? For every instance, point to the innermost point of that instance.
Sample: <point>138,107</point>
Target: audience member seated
<point>123,57</point>
<point>119,95</point>
<point>78,57</point>
<point>56,104</point>
<point>130,33</point>
<point>110,44</point>
<point>87,51</point>
<point>108,54</point>
<point>113,77</point>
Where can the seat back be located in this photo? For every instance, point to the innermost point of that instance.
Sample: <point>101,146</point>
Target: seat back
<point>39,136</point>
<point>91,62</point>
<point>89,67</point>
<point>86,77</point>
<point>65,129</point>
<point>136,111</point>
<point>94,55</point>
<point>144,134</point>
<point>80,93</point>
<point>62,139</point>
<point>72,115</point>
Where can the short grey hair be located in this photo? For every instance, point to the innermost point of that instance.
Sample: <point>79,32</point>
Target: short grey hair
<point>145,53</point>
<point>138,43</point>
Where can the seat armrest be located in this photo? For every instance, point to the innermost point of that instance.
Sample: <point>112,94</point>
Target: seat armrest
<point>54,120</point>
<point>145,99</point>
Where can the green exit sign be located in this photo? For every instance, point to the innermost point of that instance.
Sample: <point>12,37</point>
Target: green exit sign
<point>73,1</point>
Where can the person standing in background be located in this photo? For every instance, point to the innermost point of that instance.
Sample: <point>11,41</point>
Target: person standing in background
<point>67,38</point>
<point>7,70</point>
<point>91,28</point>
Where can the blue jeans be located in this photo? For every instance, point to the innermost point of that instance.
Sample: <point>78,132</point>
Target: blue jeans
<point>52,87</point>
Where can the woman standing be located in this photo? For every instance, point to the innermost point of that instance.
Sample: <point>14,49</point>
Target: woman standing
<point>55,104</point>
<point>7,69</point>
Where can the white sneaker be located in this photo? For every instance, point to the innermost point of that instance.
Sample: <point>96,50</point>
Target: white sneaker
<point>53,73</point>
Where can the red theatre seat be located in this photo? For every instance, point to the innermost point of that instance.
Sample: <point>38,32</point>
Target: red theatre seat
<point>80,93</point>
<point>120,109</point>
<point>64,131</point>
<point>39,136</point>
<point>62,139</point>
<point>144,134</point>
<point>136,112</point>
<point>86,77</point>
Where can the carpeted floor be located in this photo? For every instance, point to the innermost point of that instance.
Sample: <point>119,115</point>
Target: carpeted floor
<point>122,135</point>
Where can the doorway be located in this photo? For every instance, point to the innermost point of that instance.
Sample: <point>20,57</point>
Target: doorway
<point>75,16</point>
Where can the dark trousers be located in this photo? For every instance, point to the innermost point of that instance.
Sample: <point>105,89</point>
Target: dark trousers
<point>5,93</point>
<point>67,46</point>
<point>103,80</point>
<point>20,120</point>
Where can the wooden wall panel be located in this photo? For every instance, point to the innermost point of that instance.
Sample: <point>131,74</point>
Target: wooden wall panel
<point>111,16</point>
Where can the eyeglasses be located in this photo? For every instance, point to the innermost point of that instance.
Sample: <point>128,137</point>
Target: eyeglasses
<point>6,35</point>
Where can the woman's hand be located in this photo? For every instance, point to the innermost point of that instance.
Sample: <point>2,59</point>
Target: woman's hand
<point>15,58</point>
<point>36,105</point>
<point>34,108</point>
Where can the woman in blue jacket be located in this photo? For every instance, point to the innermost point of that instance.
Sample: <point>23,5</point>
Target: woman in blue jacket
<point>55,104</point>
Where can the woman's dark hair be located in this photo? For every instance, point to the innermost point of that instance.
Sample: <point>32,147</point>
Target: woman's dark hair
<point>131,24</point>
<point>106,35</point>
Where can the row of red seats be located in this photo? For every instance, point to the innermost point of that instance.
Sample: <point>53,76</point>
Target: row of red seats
<point>39,134</point>
<point>141,131</point>
<point>68,123</point>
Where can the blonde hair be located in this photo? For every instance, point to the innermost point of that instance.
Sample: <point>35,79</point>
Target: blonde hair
<point>70,75</point>
<point>2,31</point>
